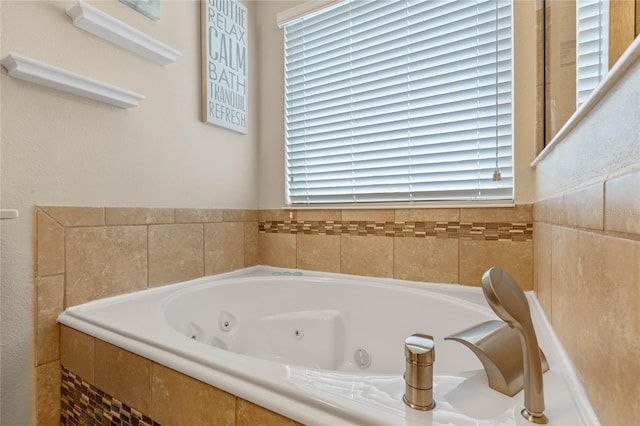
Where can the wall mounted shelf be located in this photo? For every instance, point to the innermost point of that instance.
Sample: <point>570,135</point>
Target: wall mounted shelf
<point>105,26</point>
<point>24,68</point>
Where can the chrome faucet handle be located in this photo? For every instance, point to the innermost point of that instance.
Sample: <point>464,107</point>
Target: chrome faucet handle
<point>419,352</point>
<point>509,302</point>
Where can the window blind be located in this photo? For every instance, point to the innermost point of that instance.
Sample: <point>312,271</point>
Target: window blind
<point>393,101</point>
<point>592,47</point>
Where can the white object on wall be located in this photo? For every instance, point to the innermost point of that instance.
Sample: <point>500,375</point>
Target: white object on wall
<point>225,69</point>
<point>105,26</point>
<point>8,214</point>
<point>28,69</point>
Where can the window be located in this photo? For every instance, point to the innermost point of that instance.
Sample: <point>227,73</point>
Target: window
<point>399,101</point>
<point>591,46</point>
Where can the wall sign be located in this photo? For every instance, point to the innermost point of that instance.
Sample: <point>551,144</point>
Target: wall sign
<point>149,8</point>
<point>224,58</point>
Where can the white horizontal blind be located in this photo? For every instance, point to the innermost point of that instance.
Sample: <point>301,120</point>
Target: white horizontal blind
<point>391,101</point>
<point>592,46</point>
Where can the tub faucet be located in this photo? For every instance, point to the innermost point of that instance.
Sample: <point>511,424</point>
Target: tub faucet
<point>509,302</point>
<point>419,356</point>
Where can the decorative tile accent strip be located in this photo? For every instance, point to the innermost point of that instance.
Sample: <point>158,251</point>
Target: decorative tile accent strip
<point>84,404</point>
<point>489,231</point>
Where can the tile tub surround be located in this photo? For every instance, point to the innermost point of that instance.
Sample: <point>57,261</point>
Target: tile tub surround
<point>451,245</point>
<point>83,403</point>
<point>119,387</point>
<point>85,253</point>
<point>587,277</point>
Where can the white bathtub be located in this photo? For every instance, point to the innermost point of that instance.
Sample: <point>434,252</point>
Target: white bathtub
<point>326,348</point>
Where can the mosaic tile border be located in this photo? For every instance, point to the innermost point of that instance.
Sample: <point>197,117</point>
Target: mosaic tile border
<point>84,404</point>
<point>487,231</point>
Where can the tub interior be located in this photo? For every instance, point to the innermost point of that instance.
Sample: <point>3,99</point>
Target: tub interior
<point>296,321</point>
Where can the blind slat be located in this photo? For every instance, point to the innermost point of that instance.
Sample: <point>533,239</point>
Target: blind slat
<point>591,46</point>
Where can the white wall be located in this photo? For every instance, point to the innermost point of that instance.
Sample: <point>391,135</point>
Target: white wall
<point>60,149</point>
<point>272,100</point>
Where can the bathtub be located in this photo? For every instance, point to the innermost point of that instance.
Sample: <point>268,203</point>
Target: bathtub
<point>327,348</point>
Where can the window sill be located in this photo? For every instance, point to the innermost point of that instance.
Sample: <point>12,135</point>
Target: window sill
<point>405,206</point>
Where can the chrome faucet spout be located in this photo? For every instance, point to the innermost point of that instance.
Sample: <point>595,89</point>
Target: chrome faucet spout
<point>509,302</point>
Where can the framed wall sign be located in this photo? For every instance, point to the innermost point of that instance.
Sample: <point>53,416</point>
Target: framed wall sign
<point>224,63</point>
<point>149,8</point>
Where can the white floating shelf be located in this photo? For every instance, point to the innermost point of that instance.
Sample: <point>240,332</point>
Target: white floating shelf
<point>24,68</point>
<point>105,26</point>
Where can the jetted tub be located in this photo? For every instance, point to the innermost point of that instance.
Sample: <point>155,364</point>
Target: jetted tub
<point>327,348</point>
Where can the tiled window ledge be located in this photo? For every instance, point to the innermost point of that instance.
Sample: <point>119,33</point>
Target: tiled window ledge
<point>630,56</point>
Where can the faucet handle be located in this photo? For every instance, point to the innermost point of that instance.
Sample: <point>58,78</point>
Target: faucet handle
<point>419,351</point>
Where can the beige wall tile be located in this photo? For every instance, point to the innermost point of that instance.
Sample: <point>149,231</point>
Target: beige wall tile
<point>318,252</point>
<point>565,314</point>
<point>198,215</point>
<point>550,210</point>
<point>104,261</point>
<point>123,375</point>
<point>50,245</point>
<point>76,216</point>
<point>138,215</point>
<point>411,215</point>
<point>477,256</point>
<point>312,215</point>
<point>521,213</point>
<point>180,400</point>
<point>277,214</point>
<point>224,247</point>
<point>370,256</point>
<point>277,250</point>
<point>175,253</point>
<point>251,254</point>
<point>377,215</point>
<point>427,215</point>
<point>240,215</point>
<point>542,261</point>
<point>608,325</point>
<point>77,352</point>
<point>48,394</point>
<point>478,215</point>
<point>622,207</point>
<point>249,414</point>
<point>426,259</point>
<point>50,295</point>
<point>584,208</point>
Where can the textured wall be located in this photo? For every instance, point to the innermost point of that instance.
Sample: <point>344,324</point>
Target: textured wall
<point>66,150</point>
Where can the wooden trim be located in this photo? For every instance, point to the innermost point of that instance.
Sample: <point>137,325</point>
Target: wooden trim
<point>622,23</point>
<point>637,18</point>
